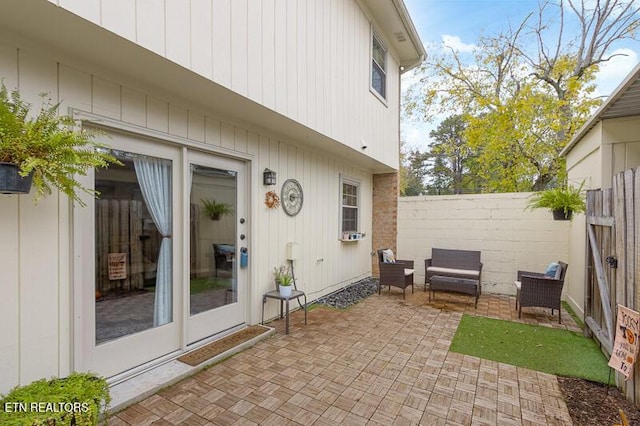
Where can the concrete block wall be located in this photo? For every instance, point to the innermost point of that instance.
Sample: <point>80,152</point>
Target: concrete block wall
<point>385,215</point>
<point>509,237</point>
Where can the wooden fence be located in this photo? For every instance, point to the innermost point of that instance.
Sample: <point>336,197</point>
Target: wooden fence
<point>613,263</point>
<point>124,226</point>
<point>120,229</point>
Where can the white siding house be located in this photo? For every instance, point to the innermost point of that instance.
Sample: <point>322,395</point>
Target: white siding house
<point>210,93</point>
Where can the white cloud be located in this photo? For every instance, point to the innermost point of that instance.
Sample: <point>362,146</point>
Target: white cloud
<point>456,43</point>
<point>416,135</point>
<point>614,71</point>
<point>410,79</point>
<point>413,136</point>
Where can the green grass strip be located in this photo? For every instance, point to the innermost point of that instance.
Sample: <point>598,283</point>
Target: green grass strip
<point>550,350</point>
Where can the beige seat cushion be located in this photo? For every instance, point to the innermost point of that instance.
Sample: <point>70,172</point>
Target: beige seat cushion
<point>445,271</point>
<point>408,272</point>
<point>518,285</point>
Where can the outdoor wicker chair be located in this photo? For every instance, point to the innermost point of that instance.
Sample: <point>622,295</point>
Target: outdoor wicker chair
<point>534,289</point>
<point>398,274</point>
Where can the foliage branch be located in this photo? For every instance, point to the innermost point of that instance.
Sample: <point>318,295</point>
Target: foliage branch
<point>525,91</point>
<point>79,399</point>
<point>50,146</point>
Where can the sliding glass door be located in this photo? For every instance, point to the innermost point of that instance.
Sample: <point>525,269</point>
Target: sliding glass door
<point>131,281</point>
<point>217,235</point>
<point>159,261</point>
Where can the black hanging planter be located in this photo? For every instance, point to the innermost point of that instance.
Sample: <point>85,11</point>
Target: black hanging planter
<point>559,214</point>
<point>11,182</point>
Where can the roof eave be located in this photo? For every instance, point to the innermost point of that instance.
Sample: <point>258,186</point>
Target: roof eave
<point>421,52</point>
<point>601,111</point>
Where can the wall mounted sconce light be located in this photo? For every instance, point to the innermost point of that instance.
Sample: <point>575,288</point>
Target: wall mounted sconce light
<point>268,177</point>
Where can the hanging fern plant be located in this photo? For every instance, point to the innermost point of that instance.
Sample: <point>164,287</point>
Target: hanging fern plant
<point>216,209</point>
<point>562,201</point>
<point>49,147</point>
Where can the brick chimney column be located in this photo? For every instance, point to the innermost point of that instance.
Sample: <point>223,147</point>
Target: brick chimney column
<point>385,215</point>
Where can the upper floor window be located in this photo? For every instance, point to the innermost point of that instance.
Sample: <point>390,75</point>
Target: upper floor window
<point>378,66</point>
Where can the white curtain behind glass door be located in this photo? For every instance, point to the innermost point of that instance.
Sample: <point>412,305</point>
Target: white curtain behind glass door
<point>154,177</point>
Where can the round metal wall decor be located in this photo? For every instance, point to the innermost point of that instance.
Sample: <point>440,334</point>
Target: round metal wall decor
<point>291,197</point>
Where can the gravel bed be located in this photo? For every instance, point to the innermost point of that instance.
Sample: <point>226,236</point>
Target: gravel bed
<point>350,295</point>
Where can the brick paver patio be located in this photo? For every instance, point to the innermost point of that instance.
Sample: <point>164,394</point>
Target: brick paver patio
<point>384,361</point>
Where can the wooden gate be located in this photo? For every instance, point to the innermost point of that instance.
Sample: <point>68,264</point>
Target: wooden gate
<point>613,262</point>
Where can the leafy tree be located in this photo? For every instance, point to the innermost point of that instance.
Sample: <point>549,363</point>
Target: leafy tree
<point>525,91</point>
<point>447,167</point>
<point>453,158</point>
<point>412,173</point>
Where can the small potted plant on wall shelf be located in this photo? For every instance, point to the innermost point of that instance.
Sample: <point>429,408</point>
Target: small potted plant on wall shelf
<point>216,210</point>
<point>45,149</point>
<point>562,202</point>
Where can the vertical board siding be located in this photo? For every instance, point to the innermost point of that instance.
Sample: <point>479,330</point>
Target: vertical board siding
<point>301,66</point>
<point>212,132</point>
<point>221,14</point>
<point>39,287</point>
<point>106,98</point>
<point>10,288</point>
<point>177,31</point>
<point>119,16</point>
<point>133,107</point>
<point>254,51</point>
<point>37,247</point>
<point>268,54</point>
<point>150,26</point>
<point>309,61</point>
<point>196,126</point>
<point>9,252</point>
<point>157,113</point>
<point>280,55</point>
<point>291,59</point>
<point>239,46</point>
<point>88,9</point>
<point>178,121</point>
<point>201,38</point>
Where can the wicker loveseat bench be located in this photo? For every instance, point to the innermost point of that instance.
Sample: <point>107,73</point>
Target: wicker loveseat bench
<point>458,271</point>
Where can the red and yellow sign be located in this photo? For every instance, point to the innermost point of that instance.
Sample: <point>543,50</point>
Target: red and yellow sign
<point>625,346</point>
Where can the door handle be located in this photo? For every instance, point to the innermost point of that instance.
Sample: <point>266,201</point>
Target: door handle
<point>244,257</point>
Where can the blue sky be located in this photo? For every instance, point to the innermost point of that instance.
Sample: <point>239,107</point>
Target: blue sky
<point>463,21</point>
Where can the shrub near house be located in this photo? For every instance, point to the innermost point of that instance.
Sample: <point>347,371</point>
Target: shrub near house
<point>78,399</point>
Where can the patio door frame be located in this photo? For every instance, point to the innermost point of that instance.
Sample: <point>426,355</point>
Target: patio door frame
<point>83,236</point>
<point>125,353</point>
<point>204,325</point>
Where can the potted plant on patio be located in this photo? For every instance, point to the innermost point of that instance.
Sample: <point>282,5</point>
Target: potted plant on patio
<point>278,272</point>
<point>562,201</point>
<point>283,280</point>
<point>45,149</point>
<point>286,285</point>
<point>216,210</point>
